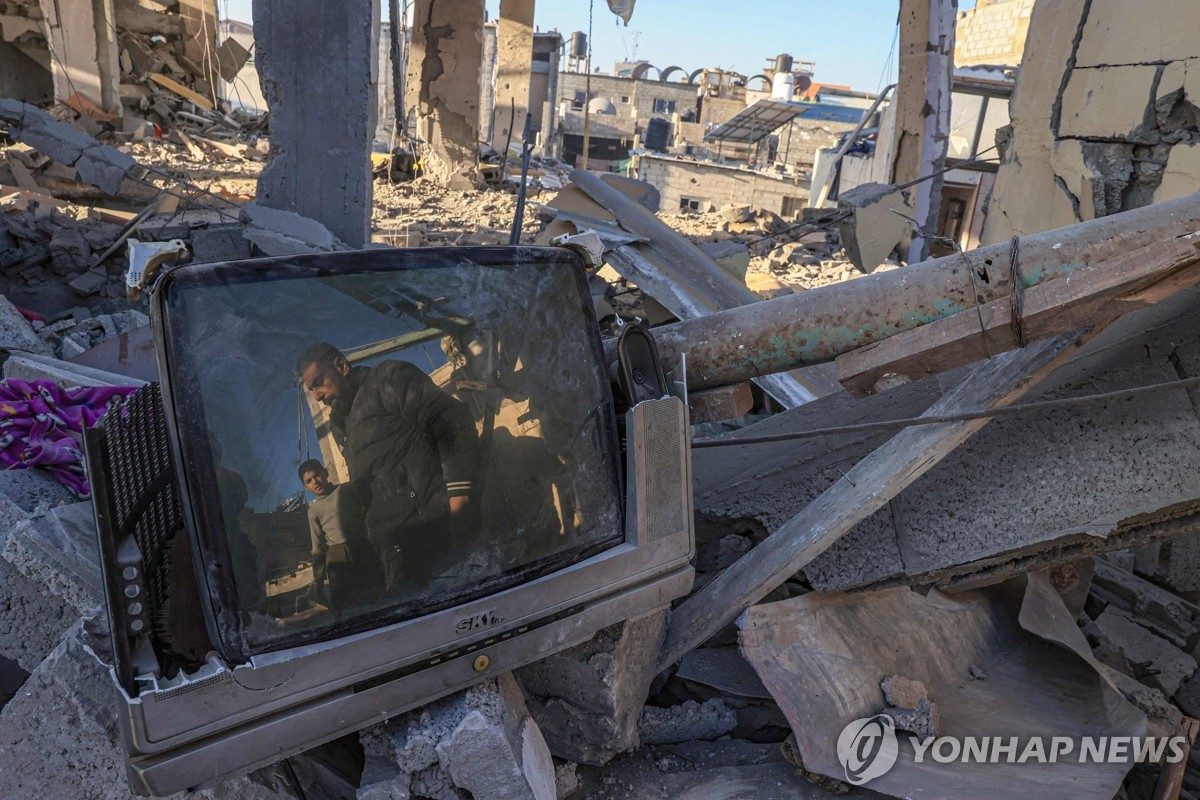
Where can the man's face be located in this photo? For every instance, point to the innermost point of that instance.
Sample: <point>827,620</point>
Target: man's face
<point>326,381</point>
<point>317,482</point>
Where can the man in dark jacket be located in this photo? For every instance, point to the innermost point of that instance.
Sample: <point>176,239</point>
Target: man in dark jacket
<point>410,445</point>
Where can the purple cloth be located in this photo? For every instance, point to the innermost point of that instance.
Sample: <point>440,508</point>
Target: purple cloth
<point>41,425</point>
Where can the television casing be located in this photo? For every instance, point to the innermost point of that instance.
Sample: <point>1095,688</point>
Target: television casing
<point>226,718</point>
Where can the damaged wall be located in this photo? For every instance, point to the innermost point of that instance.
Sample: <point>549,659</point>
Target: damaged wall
<point>1105,116</point>
<point>993,32</point>
<point>716,185</point>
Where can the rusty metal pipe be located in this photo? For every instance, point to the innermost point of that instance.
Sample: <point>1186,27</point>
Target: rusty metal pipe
<point>818,325</point>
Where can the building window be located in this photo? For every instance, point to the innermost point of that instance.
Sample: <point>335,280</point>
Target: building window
<point>687,204</point>
<point>577,103</point>
<point>664,106</point>
<point>625,99</point>
<point>792,207</point>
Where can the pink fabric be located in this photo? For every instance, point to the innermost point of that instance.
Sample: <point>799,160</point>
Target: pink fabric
<point>41,425</point>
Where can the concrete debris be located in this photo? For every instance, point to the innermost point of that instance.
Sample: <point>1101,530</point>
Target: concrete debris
<point>587,698</point>
<point>286,233</point>
<point>873,229</point>
<point>924,720</point>
<point>901,692</point>
<point>15,331</point>
<point>690,721</point>
<point>61,725</point>
<point>59,550</point>
<point>1164,666</point>
<point>1019,631</point>
<point>478,743</point>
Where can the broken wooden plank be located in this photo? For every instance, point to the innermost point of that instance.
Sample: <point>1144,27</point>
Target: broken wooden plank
<point>237,152</point>
<point>195,98</point>
<point>868,486</point>
<point>1103,290</point>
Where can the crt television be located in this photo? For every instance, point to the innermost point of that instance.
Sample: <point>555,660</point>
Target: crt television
<point>365,481</point>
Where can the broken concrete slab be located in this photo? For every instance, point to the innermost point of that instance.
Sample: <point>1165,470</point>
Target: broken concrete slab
<point>16,333</point>
<point>1165,665</point>
<point>219,243</point>
<point>587,699</point>
<point>104,167</point>
<point>90,282</point>
<point>687,722</point>
<point>874,230</point>
<point>61,725</point>
<point>59,550</point>
<point>29,367</point>
<point>58,140</point>
<point>481,740</point>
<point>286,233</point>
<point>1116,470</point>
<point>823,656</point>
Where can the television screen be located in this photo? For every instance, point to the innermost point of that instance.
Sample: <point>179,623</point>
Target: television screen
<point>367,440</point>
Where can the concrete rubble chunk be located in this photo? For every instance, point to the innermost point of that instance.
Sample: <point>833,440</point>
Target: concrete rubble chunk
<point>286,233</point>
<point>687,722</point>
<point>587,699</point>
<point>89,282</point>
<point>59,550</point>
<point>873,231</point>
<point>61,729</point>
<point>481,741</point>
<point>105,167</point>
<point>901,692</point>
<point>924,720</point>
<point>1167,666</point>
<point>57,140</point>
<point>220,243</point>
<point>38,367</point>
<point>16,333</point>
<point>13,112</point>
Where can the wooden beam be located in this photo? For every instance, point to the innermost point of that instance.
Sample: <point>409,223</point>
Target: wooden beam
<point>183,91</point>
<point>1100,292</point>
<point>866,488</point>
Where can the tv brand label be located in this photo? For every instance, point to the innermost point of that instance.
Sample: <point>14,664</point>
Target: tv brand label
<point>475,622</point>
<point>867,748</point>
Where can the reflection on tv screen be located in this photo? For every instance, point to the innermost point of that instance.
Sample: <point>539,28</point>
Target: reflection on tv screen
<point>369,446</point>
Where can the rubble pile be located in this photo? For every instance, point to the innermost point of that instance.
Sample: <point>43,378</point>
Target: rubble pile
<point>773,256</point>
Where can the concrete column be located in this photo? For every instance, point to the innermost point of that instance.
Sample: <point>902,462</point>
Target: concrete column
<point>316,61</point>
<point>83,50</point>
<point>923,107</point>
<point>442,87</point>
<point>514,62</point>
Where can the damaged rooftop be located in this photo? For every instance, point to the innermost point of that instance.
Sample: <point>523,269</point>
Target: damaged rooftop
<point>932,349</point>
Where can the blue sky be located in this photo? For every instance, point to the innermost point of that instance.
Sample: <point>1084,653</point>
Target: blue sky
<point>851,41</point>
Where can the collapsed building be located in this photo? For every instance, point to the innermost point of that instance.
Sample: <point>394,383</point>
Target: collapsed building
<point>871,551</point>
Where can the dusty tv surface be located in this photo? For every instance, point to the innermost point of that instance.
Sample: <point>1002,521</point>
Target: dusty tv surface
<point>369,480</point>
